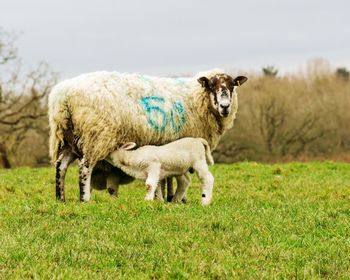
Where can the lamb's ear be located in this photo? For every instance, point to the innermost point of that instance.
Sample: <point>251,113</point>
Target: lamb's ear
<point>240,80</point>
<point>204,81</point>
<point>128,146</point>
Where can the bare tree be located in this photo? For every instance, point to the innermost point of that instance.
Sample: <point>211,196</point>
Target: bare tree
<point>23,98</point>
<point>271,119</point>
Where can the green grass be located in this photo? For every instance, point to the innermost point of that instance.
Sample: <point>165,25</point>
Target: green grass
<point>266,221</point>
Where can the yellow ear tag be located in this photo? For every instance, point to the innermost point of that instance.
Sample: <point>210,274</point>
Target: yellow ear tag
<point>238,83</point>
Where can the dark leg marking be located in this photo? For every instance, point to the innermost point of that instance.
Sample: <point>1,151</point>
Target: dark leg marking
<point>65,158</point>
<point>59,188</point>
<point>81,189</point>
<point>84,180</point>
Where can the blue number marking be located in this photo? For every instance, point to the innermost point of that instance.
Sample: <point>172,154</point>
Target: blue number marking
<point>157,117</point>
<point>178,117</point>
<point>151,110</point>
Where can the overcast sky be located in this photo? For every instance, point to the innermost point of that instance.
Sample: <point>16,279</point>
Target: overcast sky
<point>177,37</point>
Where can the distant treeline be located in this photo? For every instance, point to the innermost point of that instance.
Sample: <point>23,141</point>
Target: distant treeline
<point>304,116</point>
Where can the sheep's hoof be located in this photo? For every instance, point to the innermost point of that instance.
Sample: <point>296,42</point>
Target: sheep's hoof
<point>159,198</point>
<point>175,200</point>
<point>85,197</point>
<point>113,192</point>
<point>205,201</point>
<point>148,198</point>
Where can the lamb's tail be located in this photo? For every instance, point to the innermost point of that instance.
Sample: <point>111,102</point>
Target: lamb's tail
<point>208,155</point>
<point>58,119</point>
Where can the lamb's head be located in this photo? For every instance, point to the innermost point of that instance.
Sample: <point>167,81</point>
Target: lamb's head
<point>117,157</point>
<point>221,89</point>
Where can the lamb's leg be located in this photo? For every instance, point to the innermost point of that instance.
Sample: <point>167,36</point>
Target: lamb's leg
<point>65,158</point>
<point>206,179</point>
<point>113,184</point>
<point>85,170</point>
<point>188,177</point>
<point>160,191</point>
<point>152,180</point>
<point>183,182</point>
<point>170,189</point>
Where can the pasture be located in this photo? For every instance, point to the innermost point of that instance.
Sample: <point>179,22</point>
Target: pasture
<point>266,221</point>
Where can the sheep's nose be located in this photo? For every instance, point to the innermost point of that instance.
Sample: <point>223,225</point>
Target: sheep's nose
<point>224,106</point>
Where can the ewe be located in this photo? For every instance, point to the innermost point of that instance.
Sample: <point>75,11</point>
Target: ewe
<point>94,114</point>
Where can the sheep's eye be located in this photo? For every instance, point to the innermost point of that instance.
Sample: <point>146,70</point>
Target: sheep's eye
<point>212,86</point>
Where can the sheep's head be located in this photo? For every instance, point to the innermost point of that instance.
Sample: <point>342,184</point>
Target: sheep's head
<point>221,89</point>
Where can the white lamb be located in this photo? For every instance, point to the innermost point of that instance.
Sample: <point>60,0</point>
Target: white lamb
<point>153,163</point>
<point>94,114</point>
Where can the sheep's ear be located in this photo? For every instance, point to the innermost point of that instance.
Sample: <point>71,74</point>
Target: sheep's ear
<point>240,80</point>
<point>128,146</point>
<point>204,81</point>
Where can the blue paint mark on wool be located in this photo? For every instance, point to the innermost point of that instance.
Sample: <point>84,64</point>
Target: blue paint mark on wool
<point>159,118</point>
<point>155,110</point>
<point>178,116</point>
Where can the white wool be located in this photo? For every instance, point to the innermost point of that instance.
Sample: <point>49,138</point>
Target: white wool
<point>106,109</point>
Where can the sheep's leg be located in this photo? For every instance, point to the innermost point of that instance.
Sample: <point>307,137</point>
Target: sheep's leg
<point>163,185</point>
<point>65,158</point>
<point>183,182</point>
<point>206,179</point>
<point>170,189</point>
<point>152,180</point>
<point>85,170</point>
<point>160,191</point>
<point>113,184</point>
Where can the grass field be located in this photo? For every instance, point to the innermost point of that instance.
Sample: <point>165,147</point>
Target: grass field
<point>266,221</point>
